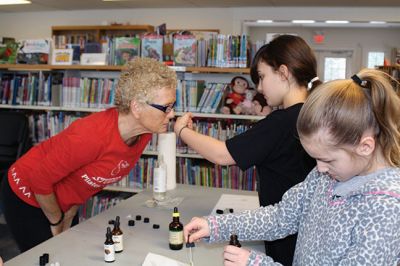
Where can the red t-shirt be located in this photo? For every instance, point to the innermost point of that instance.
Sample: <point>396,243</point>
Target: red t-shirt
<point>77,163</point>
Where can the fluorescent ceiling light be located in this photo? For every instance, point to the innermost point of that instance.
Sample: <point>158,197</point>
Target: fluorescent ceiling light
<point>264,21</point>
<point>377,22</point>
<point>302,21</point>
<point>14,2</point>
<point>337,21</point>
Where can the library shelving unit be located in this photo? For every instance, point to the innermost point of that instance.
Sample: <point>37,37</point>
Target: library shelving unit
<point>191,73</point>
<point>97,33</point>
<point>394,71</point>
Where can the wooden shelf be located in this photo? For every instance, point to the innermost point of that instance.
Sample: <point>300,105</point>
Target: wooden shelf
<point>23,67</point>
<point>217,70</point>
<point>224,116</point>
<point>122,189</point>
<point>183,155</point>
<point>92,110</point>
<point>103,27</point>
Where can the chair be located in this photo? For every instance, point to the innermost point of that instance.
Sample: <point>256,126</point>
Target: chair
<point>14,138</point>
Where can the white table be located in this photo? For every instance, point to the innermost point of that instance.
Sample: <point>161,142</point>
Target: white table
<point>83,244</point>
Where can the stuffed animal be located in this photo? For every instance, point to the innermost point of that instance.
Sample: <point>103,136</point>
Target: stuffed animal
<point>260,105</point>
<point>239,86</point>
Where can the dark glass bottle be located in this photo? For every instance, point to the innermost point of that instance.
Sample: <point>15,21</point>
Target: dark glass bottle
<point>175,232</point>
<point>117,236</point>
<point>109,251</point>
<point>234,241</point>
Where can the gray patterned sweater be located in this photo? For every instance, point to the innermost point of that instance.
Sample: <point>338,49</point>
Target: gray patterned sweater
<point>362,228</point>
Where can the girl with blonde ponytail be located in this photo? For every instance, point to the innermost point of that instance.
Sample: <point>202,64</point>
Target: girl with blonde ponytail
<point>347,210</point>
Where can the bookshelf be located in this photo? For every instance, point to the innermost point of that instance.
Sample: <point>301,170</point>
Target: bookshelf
<point>394,71</point>
<point>183,157</point>
<point>22,67</point>
<point>96,33</point>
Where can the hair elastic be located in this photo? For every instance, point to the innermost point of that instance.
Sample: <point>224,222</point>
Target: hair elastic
<point>360,82</point>
<point>309,85</point>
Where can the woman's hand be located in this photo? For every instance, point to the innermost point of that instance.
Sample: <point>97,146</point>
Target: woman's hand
<point>57,229</point>
<point>235,256</point>
<point>196,229</point>
<point>183,121</point>
<point>69,216</point>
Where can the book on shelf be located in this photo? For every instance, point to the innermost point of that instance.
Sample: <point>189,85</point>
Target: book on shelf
<point>94,59</point>
<point>228,51</point>
<point>198,172</point>
<point>88,92</point>
<point>61,41</point>
<point>34,51</point>
<point>152,46</point>
<point>92,48</point>
<point>199,96</point>
<point>62,56</point>
<point>185,49</point>
<point>8,52</point>
<point>396,56</point>
<point>76,52</point>
<point>27,89</point>
<point>126,48</point>
<point>100,202</point>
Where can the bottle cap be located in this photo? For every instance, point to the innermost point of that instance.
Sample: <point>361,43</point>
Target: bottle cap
<point>108,233</point>
<point>46,257</point>
<point>146,220</point>
<point>131,222</point>
<point>175,213</point>
<point>42,261</point>
<point>156,226</point>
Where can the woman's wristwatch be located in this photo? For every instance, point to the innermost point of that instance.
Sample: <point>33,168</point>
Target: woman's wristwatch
<point>59,221</point>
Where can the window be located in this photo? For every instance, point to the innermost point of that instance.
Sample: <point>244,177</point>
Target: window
<point>335,68</point>
<point>375,59</point>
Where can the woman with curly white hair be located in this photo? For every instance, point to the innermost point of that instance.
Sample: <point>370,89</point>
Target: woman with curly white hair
<point>45,187</point>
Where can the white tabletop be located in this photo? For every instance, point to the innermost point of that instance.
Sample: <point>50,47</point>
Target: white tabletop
<point>83,244</point>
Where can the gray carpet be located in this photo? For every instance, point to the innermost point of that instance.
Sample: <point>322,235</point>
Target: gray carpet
<point>8,247</point>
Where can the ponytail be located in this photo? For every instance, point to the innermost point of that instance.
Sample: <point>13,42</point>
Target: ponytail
<point>347,108</point>
<point>385,105</point>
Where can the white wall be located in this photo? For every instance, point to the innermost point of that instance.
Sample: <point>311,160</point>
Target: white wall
<point>358,40</point>
<point>228,20</point>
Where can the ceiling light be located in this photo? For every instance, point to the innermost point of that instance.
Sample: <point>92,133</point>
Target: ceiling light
<point>264,21</point>
<point>377,22</point>
<point>337,21</point>
<point>302,21</point>
<point>14,2</point>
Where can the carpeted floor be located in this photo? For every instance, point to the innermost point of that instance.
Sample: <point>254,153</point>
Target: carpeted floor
<point>8,247</point>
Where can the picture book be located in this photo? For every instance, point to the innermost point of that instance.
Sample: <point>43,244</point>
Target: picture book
<point>34,51</point>
<point>62,57</point>
<point>8,53</point>
<point>126,48</point>
<point>152,46</point>
<point>185,50</point>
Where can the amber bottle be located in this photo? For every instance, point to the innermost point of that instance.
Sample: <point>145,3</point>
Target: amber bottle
<point>109,251</point>
<point>117,236</point>
<point>175,232</point>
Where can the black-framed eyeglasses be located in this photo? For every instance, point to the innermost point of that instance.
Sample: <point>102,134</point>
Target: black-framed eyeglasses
<point>164,108</point>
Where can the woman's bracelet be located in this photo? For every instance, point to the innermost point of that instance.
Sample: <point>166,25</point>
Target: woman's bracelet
<point>180,131</point>
<point>61,219</point>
